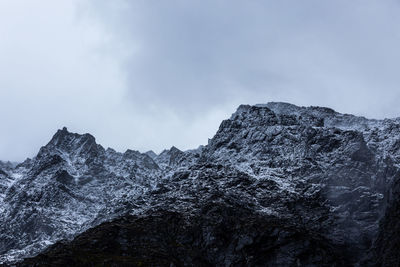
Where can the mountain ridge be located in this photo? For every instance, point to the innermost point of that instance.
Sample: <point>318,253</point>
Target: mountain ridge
<point>316,170</point>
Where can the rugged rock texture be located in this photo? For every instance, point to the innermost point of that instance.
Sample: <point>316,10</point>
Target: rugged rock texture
<point>386,249</point>
<point>219,235</point>
<point>71,185</point>
<point>278,185</point>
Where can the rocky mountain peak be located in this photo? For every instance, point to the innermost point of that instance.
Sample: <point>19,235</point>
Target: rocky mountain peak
<point>132,153</point>
<point>73,144</point>
<point>64,139</point>
<point>277,113</point>
<point>169,157</point>
<point>174,150</point>
<point>151,154</point>
<point>246,110</point>
<point>290,109</point>
<point>281,107</point>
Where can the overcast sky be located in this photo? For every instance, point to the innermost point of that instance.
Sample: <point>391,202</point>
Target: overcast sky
<point>150,74</point>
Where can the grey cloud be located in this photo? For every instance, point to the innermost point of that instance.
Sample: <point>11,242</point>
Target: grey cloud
<point>147,74</point>
<point>198,54</point>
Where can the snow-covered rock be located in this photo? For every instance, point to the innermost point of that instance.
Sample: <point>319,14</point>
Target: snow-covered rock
<point>319,179</point>
<point>71,185</point>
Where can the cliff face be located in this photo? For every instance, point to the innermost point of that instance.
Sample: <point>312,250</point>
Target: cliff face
<point>386,249</point>
<point>278,185</point>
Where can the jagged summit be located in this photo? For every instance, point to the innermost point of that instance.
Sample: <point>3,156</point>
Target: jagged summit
<point>63,139</point>
<point>170,157</point>
<point>282,112</point>
<point>71,146</point>
<point>283,108</point>
<point>151,154</point>
<point>174,149</point>
<point>290,109</point>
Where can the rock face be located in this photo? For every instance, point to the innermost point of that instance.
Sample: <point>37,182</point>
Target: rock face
<point>278,185</point>
<point>386,249</point>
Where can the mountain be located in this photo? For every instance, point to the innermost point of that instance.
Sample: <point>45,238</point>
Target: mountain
<point>71,185</point>
<point>278,185</point>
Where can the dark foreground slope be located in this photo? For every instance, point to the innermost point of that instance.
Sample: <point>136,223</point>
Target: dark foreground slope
<point>219,235</point>
<point>278,185</point>
<point>386,249</point>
